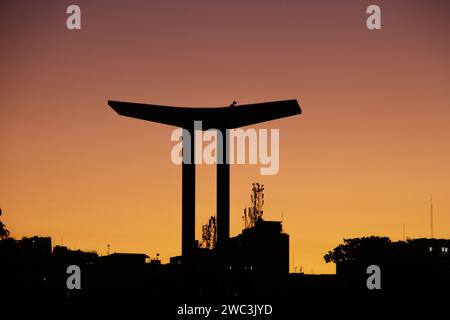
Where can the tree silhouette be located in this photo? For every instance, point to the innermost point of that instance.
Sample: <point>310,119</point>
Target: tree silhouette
<point>4,233</point>
<point>360,249</point>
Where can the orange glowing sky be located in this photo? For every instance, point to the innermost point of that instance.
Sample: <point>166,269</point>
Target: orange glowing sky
<point>371,146</point>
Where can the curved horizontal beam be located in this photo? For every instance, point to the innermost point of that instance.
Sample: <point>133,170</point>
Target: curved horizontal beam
<point>221,117</point>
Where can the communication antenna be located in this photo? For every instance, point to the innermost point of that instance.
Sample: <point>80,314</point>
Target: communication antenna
<point>254,213</point>
<point>294,267</point>
<point>209,234</point>
<point>293,261</point>
<point>431,215</point>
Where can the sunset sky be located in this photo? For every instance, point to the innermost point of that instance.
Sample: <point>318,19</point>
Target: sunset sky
<point>372,144</point>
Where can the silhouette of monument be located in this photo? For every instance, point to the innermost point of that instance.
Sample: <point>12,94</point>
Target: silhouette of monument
<point>257,260</point>
<point>221,118</point>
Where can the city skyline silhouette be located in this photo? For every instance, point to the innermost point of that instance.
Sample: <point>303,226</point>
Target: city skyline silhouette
<point>369,150</point>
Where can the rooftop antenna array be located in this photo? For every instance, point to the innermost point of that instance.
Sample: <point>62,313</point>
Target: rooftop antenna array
<point>209,234</point>
<point>254,213</point>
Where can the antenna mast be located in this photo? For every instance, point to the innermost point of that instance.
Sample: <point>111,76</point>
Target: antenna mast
<point>209,234</point>
<point>254,213</point>
<point>431,215</point>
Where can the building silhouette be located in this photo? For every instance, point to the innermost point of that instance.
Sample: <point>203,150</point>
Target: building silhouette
<point>259,268</point>
<point>409,269</point>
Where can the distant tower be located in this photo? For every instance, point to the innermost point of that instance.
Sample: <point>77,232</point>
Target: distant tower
<point>431,215</point>
<point>294,267</point>
<point>255,212</point>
